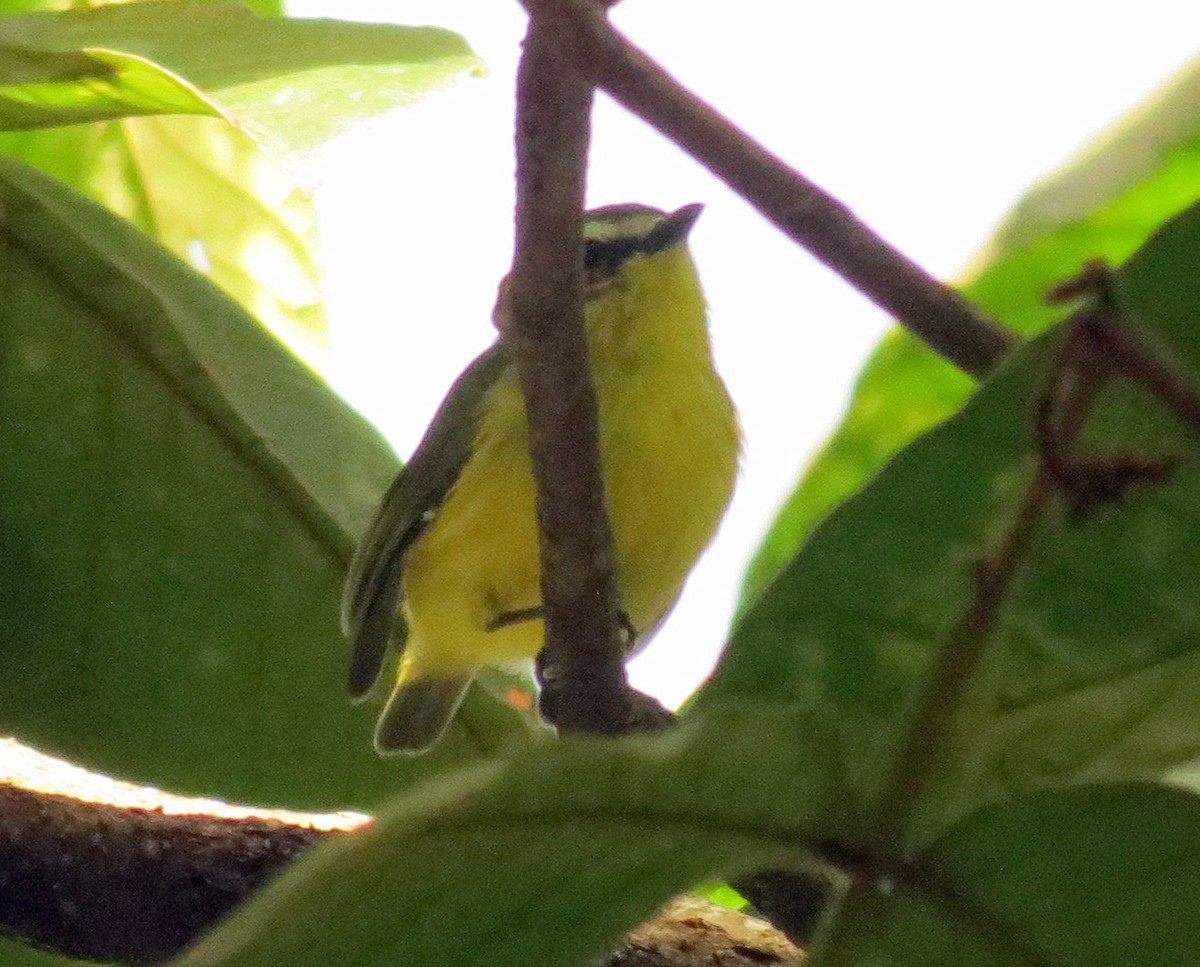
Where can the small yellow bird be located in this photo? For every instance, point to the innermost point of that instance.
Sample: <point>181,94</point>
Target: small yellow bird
<point>449,568</point>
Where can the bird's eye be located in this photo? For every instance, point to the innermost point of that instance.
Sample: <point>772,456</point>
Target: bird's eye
<point>603,258</point>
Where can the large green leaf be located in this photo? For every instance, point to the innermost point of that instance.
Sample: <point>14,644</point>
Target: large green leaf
<point>264,8</point>
<point>21,65</point>
<point>1091,667</point>
<point>119,85</point>
<point>200,185</point>
<point>178,497</point>
<point>1103,205</point>
<point>209,194</point>
<point>547,859</point>
<point>1112,870</point>
<point>1102,877</point>
<point>298,81</point>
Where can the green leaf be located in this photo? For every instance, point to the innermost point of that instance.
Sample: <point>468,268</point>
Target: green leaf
<point>178,497</point>
<point>849,629</point>
<point>890,927</point>
<point>207,192</point>
<point>1158,289</point>
<point>20,65</point>
<point>1089,668</point>
<point>547,859</point>
<point>1103,876</point>
<point>119,85</point>
<point>200,185</point>
<point>294,81</point>
<point>264,8</point>
<point>722,894</point>
<point>1104,204</point>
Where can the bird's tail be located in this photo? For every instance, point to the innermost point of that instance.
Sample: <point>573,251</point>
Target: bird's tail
<point>418,711</point>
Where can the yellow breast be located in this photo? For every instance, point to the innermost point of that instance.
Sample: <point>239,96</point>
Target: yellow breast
<point>669,449</point>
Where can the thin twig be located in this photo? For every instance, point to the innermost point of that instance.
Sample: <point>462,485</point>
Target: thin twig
<point>958,659</point>
<point>1137,356</point>
<point>933,312</point>
<point>1071,387</point>
<point>1109,336</point>
<point>581,666</point>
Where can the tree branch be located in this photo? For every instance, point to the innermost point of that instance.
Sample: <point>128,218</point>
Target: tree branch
<point>1140,355</point>
<point>130,886</point>
<point>691,932</point>
<point>108,882</point>
<point>934,313</point>
<point>1070,389</point>
<point>581,667</point>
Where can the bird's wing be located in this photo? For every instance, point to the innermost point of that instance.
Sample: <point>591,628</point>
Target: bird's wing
<point>374,581</point>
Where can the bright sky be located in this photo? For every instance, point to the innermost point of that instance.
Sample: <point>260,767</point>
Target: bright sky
<point>928,118</point>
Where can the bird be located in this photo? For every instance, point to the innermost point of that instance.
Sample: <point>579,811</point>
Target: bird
<point>448,570</point>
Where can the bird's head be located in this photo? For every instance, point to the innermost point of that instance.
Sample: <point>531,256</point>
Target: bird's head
<point>626,249</point>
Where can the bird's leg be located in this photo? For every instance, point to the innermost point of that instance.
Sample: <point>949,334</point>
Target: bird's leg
<point>518,615</point>
<point>643,714</point>
<point>515,617</point>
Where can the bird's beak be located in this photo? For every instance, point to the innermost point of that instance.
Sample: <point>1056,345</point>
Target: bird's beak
<point>678,223</point>
<point>675,227</point>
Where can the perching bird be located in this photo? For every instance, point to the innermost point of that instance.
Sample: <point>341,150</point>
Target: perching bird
<point>449,569</point>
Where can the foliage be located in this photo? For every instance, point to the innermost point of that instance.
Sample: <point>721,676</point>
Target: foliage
<point>1102,205</point>
<point>200,184</point>
<point>955,671</point>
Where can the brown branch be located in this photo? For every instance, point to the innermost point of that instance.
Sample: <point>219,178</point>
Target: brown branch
<point>1105,332</point>
<point>1070,388</point>
<point>137,886</point>
<point>130,886</point>
<point>931,311</point>
<point>1138,356</point>
<point>581,667</point>
<point>691,932</point>
<point>957,661</point>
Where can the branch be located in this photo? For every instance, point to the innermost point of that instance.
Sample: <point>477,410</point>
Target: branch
<point>130,886</point>
<point>581,667</point>
<point>108,882</point>
<point>1071,386</point>
<point>931,311</point>
<point>691,932</point>
<point>1138,353</point>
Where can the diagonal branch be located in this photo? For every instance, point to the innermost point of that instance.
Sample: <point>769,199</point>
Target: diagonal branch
<point>1140,355</point>
<point>931,311</point>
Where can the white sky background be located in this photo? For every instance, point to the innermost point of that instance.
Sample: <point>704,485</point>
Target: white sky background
<point>928,118</point>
